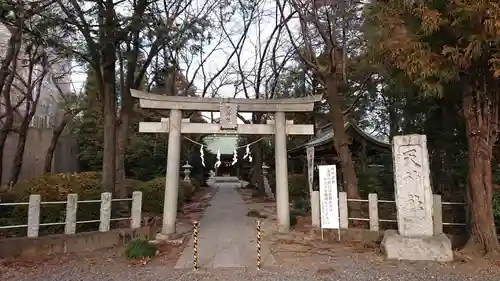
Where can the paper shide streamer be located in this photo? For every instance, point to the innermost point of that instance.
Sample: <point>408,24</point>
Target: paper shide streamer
<point>217,164</point>
<point>235,157</point>
<point>247,154</point>
<point>202,156</point>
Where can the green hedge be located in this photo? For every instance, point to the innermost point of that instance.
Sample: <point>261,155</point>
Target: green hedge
<point>54,187</point>
<point>297,186</point>
<point>153,194</point>
<point>496,207</point>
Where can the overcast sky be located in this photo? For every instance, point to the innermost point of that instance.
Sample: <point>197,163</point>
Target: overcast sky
<point>257,36</point>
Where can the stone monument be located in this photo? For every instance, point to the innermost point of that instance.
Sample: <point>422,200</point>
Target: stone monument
<point>415,239</point>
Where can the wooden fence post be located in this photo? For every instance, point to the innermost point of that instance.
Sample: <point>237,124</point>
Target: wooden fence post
<point>343,210</point>
<point>437,214</point>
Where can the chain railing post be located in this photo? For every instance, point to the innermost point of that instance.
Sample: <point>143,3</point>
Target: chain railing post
<point>259,266</point>
<point>195,245</point>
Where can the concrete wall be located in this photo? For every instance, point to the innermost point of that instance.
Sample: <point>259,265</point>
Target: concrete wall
<point>24,247</point>
<point>65,157</point>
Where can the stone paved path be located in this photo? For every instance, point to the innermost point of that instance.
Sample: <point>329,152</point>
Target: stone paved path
<point>227,236</point>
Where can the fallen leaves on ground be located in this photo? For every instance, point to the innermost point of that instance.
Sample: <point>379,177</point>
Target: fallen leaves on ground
<point>139,262</point>
<point>36,261</point>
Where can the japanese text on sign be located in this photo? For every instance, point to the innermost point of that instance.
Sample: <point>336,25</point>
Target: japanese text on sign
<point>329,196</point>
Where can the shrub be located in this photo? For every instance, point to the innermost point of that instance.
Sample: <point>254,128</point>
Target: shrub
<point>153,194</point>
<point>132,185</point>
<point>293,219</point>
<point>293,216</point>
<point>496,207</point>
<point>297,186</point>
<point>56,187</point>
<point>196,184</point>
<point>302,204</point>
<point>246,173</point>
<point>256,214</point>
<point>271,177</point>
<point>139,248</point>
<point>253,213</point>
<point>297,213</point>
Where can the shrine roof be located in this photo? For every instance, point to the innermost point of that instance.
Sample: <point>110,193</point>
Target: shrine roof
<point>326,135</point>
<point>149,100</point>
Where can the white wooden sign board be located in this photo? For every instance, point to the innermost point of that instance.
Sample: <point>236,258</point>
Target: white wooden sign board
<point>329,196</point>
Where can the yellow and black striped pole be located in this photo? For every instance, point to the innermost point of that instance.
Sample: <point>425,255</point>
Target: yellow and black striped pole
<point>259,267</point>
<point>195,245</point>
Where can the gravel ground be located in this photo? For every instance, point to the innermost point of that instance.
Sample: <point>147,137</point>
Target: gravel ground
<point>102,266</point>
<point>111,272</point>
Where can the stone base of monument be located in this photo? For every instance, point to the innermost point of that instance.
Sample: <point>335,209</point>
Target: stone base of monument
<point>420,248</point>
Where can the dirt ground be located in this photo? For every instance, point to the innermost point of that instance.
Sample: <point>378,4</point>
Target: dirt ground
<point>304,247</point>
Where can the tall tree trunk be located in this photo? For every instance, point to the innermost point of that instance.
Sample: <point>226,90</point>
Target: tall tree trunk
<point>120,189</point>
<point>257,177</point>
<point>6,79</point>
<point>107,57</point>
<point>393,118</point>
<point>109,116</point>
<point>122,130</point>
<point>17,163</point>
<point>109,113</point>
<point>33,90</point>
<point>121,145</point>
<point>8,122</point>
<point>56,134</point>
<point>4,133</point>
<point>480,132</point>
<point>341,141</point>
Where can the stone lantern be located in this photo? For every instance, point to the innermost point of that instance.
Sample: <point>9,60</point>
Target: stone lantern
<point>267,187</point>
<point>265,169</point>
<point>187,171</point>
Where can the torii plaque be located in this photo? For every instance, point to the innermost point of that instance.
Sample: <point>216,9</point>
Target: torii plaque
<point>175,126</point>
<point>228,116</point>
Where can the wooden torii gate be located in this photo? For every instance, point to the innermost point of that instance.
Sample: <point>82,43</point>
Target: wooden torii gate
<point>228,108</point>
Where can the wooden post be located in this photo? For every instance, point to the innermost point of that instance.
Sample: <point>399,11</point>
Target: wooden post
<point>437,214</point>
<point>343,210</point>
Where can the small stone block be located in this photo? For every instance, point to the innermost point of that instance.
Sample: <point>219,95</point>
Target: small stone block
<point>417,248</point>
<point>169,239</point>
